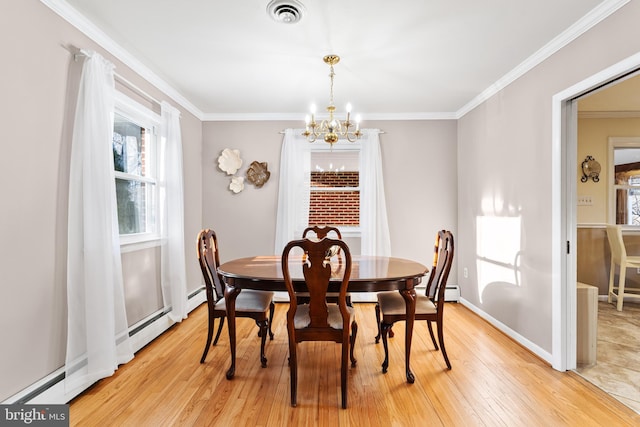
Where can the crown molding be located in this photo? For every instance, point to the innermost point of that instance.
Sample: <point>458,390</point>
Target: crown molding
<point>71,15</point>
<point>602,11</point>
<point>221,117</point>
<point>88,28</point>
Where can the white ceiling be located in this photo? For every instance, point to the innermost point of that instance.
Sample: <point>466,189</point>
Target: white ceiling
<point>400,59</point>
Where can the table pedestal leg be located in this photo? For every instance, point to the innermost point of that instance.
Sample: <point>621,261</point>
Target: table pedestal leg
<point>230,295</point>
<point>409,296</point>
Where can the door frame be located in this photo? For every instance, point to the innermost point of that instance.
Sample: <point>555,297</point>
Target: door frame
<point>564,143</point>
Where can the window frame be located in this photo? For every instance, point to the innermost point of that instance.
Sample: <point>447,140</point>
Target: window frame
<point>341,145</point>
<point>618,142</point>
<point>144,117</point>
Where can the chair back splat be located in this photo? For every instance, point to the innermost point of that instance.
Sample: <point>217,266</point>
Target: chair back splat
<point>209,259</point>
<point>320,232</point>
<point>319,319</point>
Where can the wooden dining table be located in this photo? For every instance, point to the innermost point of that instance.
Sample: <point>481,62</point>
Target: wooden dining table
<point>368,274</point>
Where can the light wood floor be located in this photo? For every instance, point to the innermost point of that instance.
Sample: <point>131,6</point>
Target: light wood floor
<point>494,382</point>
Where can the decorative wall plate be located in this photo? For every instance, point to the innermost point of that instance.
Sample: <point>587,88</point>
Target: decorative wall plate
<point>257,174</point>
<point>590,169</point>
<point>237,184</point>
<point>229,161</point>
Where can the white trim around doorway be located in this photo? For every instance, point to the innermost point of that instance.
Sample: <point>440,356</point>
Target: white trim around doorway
<point>564,149</point>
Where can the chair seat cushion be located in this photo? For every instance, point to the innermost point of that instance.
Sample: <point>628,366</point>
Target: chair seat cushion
<point>392,303</point>
<point>249,300</point>
<point>302,318</point>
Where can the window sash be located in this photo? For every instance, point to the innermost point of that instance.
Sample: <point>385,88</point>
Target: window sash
<point>145,207</point>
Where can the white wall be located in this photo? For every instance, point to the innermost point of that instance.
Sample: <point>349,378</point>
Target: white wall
<point>504,170</point>
<point>419,160</point>
<point>38,83</point>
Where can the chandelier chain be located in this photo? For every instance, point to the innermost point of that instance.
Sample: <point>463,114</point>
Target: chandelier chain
<point>331,74</point>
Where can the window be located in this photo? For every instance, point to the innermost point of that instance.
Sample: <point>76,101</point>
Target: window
<point>334,197</point>
<point>135,161</point>
<point>625,176</point>
<point>294,195</point>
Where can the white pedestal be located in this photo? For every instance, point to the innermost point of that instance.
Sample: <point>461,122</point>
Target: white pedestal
<point>587,324</point>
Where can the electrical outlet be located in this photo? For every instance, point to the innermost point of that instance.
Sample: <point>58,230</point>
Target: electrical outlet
<point>465,272</point>
<point>585,201</point>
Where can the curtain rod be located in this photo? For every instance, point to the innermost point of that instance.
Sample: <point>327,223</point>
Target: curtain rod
<point>122,80</point>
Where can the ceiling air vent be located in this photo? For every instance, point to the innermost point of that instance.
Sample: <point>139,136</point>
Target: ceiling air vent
<point>285,11</point>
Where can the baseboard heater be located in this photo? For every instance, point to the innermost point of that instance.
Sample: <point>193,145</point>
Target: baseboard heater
<point>50,390</point>
<point>452,293</point>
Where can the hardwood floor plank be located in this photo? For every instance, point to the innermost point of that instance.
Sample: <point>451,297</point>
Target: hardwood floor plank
<point>494,381</point>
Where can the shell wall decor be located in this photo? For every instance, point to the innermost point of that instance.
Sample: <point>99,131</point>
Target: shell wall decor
<point>237,184</point>
<point>258,174</point>
<point>229,161</point>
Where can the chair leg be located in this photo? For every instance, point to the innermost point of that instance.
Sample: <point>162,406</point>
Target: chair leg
<point>433,338</point>
<point>390,333</point>
<point>378,323</point>
<point>210,327</point>
<point>352,342</point>
<point>263,325</point>
<point>293,372</point>
<point>621,283</point>
<point>441,339</point>
<point>612,272</point>
<point>385,331</point>
<point>343,372</point>
<point>272,308</point>
<point>215,341</point>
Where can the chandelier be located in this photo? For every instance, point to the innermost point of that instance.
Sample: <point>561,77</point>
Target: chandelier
<point>331,129</point>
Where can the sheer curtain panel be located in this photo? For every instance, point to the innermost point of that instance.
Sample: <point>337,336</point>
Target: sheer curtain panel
<point>374,225</point>
<point>97,334</point>
<point>293,190</point>
<point>174,276</point>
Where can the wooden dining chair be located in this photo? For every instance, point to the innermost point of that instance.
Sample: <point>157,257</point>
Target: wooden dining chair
<point>249,303</point>
<point>320,232</point>
<point>429,307</point>
<point>319,320</point>
<point>620,258</point>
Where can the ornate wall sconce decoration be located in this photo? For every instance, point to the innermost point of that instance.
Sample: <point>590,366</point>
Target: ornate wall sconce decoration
<point>590,169</point>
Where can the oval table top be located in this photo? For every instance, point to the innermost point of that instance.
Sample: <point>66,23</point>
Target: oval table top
<point>368,273</point>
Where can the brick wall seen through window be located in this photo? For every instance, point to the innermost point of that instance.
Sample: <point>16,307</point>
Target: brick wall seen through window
<point>334,198</point>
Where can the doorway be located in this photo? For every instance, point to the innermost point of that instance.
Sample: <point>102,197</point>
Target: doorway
<point>565,143</point>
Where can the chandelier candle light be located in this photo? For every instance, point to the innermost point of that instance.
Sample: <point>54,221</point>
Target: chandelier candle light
<point>331,129</point>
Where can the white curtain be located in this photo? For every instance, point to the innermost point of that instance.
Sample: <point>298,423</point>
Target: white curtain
<point>174,276</point>
<point>293,191</point>
<point>97,332</point>
<point>374,226</point>
<point>293,196</point>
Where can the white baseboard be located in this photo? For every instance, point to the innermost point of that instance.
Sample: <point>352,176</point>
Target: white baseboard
<point>53,384</point>
<point>537,350</point>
